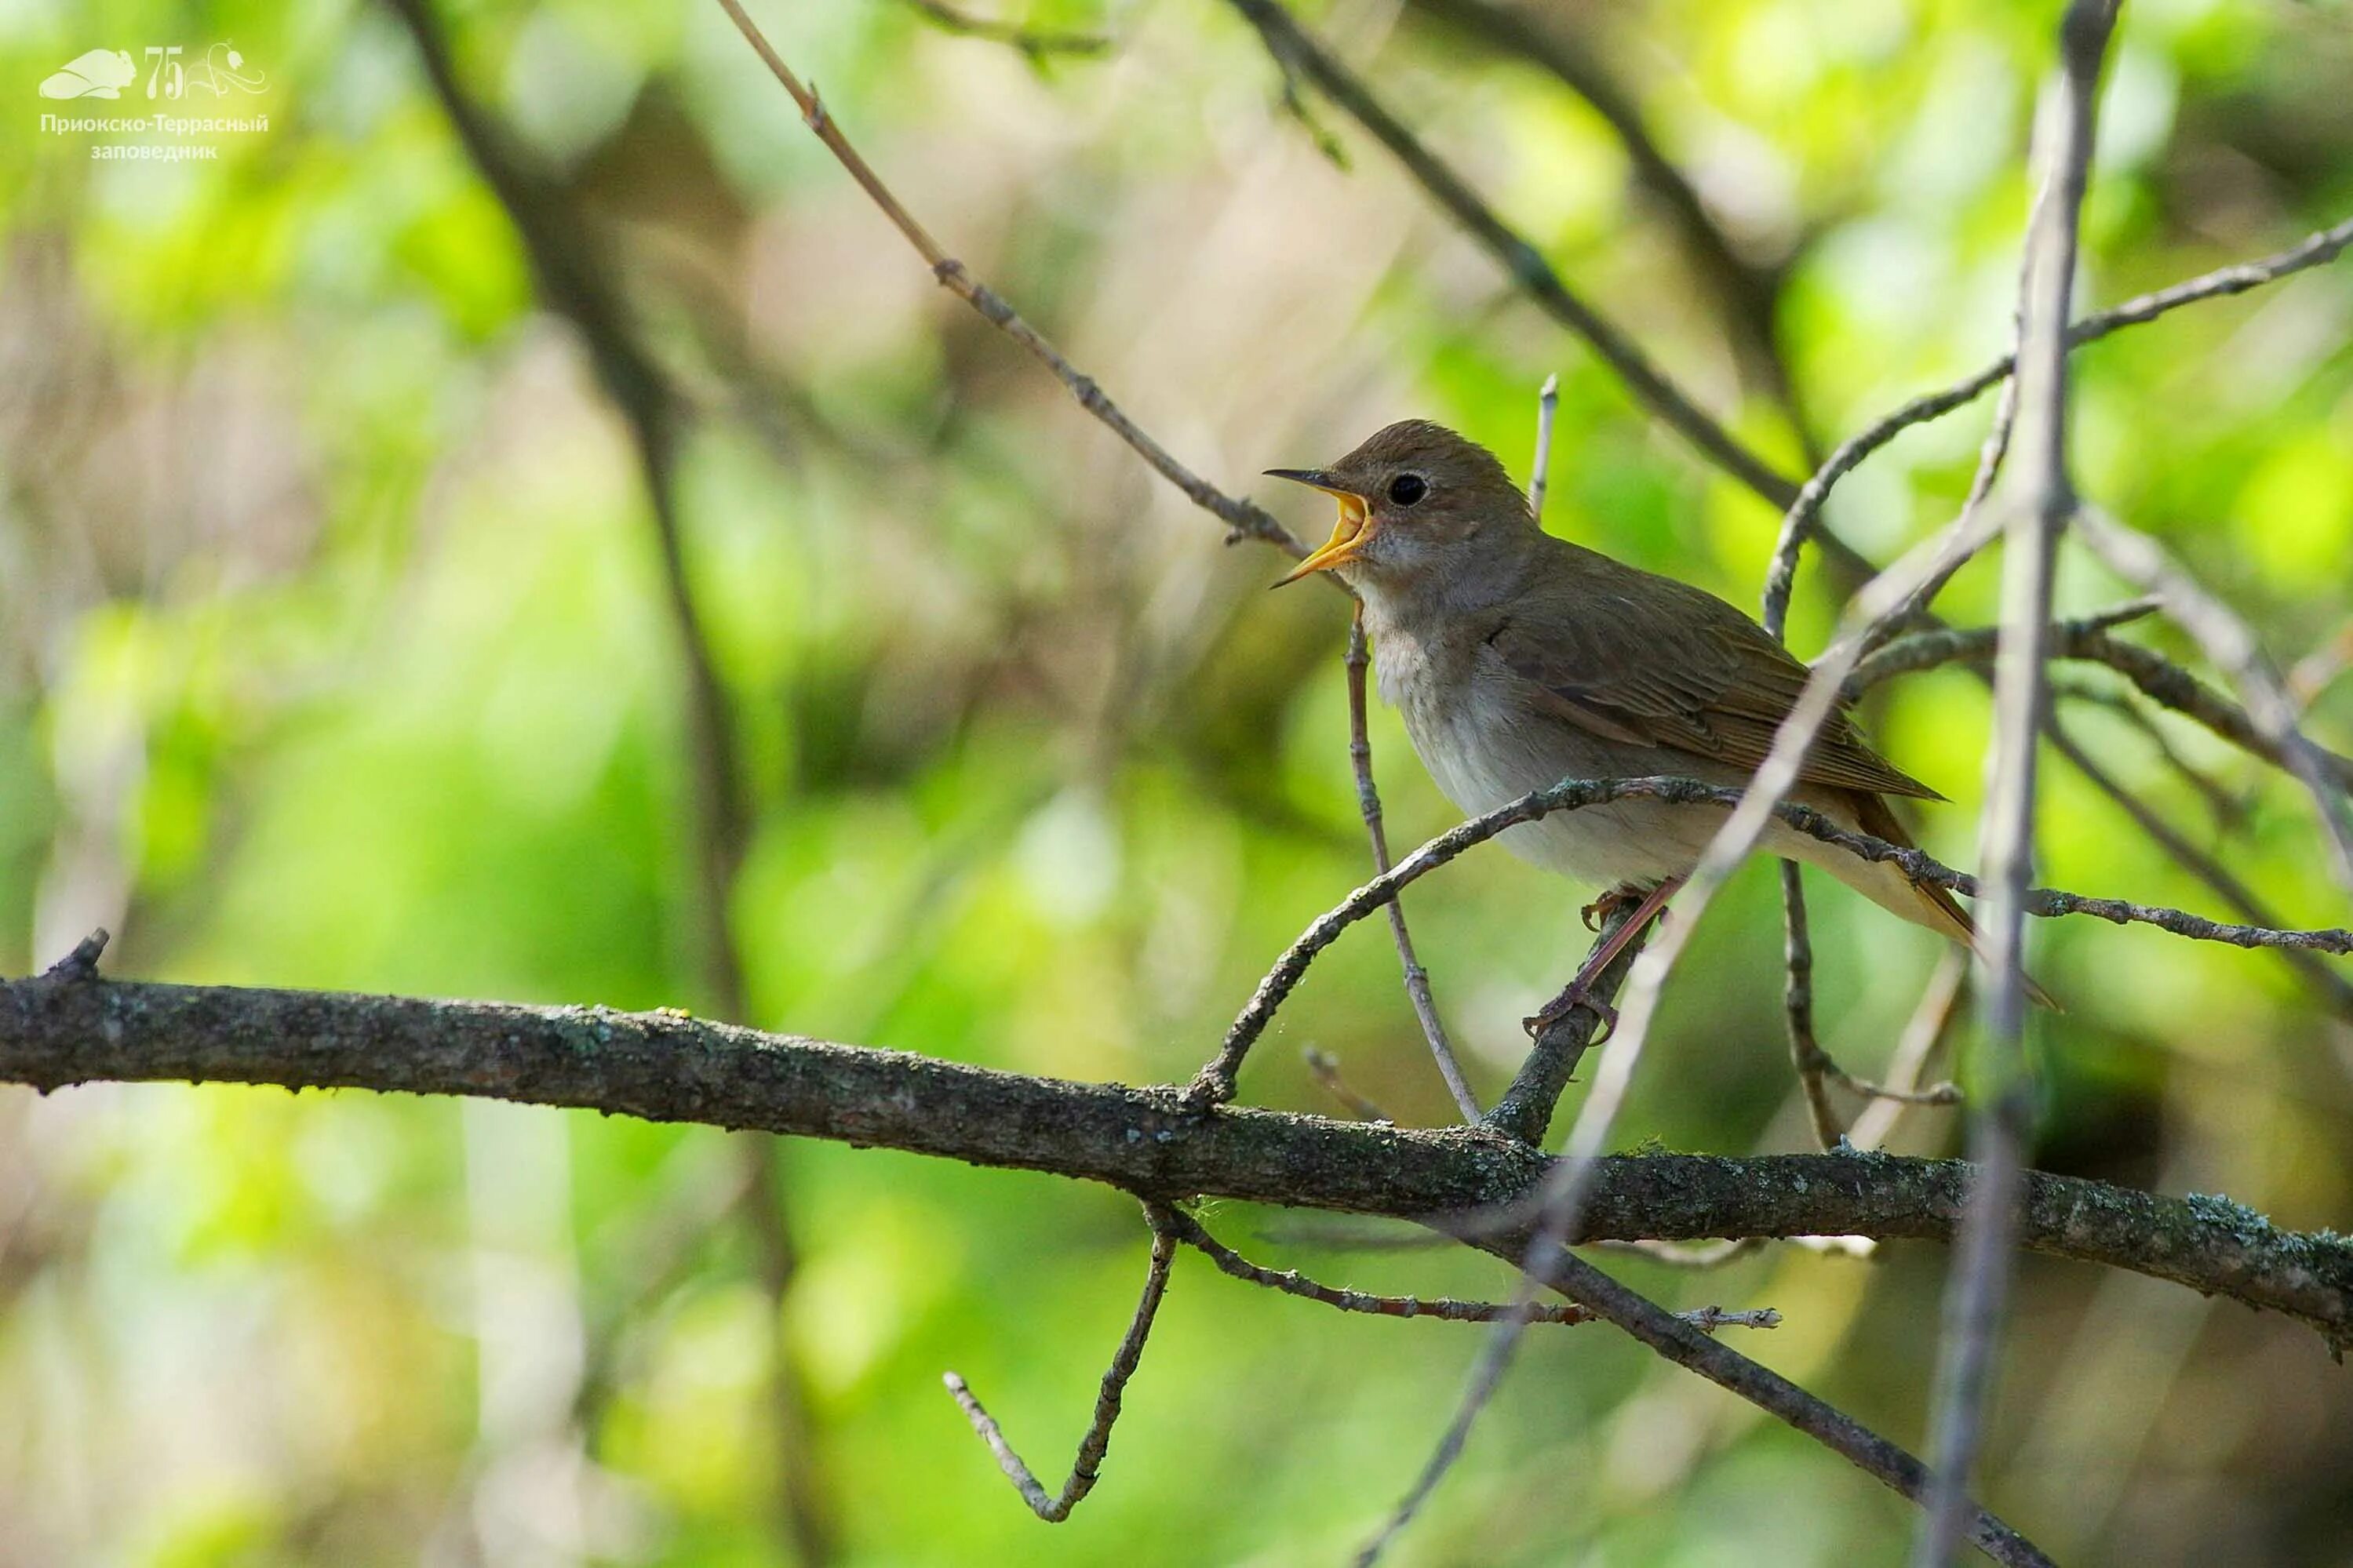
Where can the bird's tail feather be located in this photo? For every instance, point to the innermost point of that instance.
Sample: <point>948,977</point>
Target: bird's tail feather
<point>1877,818</point>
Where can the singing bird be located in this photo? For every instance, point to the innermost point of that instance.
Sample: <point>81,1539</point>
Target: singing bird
<point>1518,660</point>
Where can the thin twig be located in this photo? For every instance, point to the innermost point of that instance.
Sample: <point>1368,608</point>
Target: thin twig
<point>1804,508</point>
<point>1979,1282</point>
<point>1088,1467</point>
<point>1540,469</point>
<point>1654,1326</point>
<point>1215,1081</point>
<point>1974,645</point>
<point>1290,1282</point>
<point>1243,519</point>
<point>1748,292</point>
<point>1924,1036</point>
<point>2230,643</point>
<point>2228,807</point>
<point>1295,49</point>
<point>1815,1066</point>
<point>1325,1069</point>
<point>1369,804</point>
<point>2228,886</point>
<point>1036,42</point>
<point>1806,1053</point>
<point>2318,670</point>
<point>2087,640</point>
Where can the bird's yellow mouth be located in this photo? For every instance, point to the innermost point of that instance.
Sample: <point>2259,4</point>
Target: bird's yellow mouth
<point>1349,534</point>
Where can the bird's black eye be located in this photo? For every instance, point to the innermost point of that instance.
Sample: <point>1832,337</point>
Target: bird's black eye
<point>1407,489</point>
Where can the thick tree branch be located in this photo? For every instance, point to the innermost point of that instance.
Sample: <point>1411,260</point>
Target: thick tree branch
<point>66,1029</point>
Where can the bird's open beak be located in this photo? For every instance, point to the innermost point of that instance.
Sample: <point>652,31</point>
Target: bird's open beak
<point>1348,535</point>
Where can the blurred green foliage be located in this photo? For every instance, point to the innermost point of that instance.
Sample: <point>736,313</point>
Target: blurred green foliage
<point>333,652</point>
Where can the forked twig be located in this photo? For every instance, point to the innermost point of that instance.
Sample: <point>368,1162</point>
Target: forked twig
<point>1290,1282</point>
<point>1088,1467</point>
<point>1654,1326</point>
<point>1806,1053</point>
<point>2087,640</point>
<point>1215,1083</point>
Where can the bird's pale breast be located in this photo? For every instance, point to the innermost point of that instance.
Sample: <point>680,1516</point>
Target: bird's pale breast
<point>1471,722</point>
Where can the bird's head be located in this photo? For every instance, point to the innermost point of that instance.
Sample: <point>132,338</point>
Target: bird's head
<point>1415,499</point>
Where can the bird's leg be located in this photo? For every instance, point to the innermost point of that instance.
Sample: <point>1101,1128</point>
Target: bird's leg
<point>1578,993</point>
<point>1597,914</point>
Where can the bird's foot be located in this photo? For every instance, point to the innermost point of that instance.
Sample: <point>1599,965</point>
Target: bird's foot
<point>1598,913</point>
<point>1576,995</point>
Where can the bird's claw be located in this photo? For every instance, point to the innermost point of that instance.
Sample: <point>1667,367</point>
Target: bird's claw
<point>1569,1001</point>
<point>1599,910</point>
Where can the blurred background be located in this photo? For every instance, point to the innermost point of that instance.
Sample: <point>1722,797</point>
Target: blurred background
<point>339,646</point>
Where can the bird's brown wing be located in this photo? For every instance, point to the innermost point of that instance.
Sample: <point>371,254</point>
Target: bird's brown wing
<point>1648,660</point>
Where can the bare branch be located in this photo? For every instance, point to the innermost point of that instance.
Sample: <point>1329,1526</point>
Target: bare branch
<point>1290,1282</point>
<point>667,1066</point>
<point>2087,640</point>
<point>1369,804</point>
<point>1974,645</point>
<point>1815,1066</point>
<point>1244,519</point>
<point>1806,1053</point>
<point>1680,1343</point>
<point>1215,1083</point>
<point>1804,509</point>
<point>1088,1467</point>
<point>2229,641</point>
<point>1978,1283</point>
<point>1294,49</point>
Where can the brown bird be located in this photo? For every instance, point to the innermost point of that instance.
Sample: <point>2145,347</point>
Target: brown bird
<point>1519,660</point>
